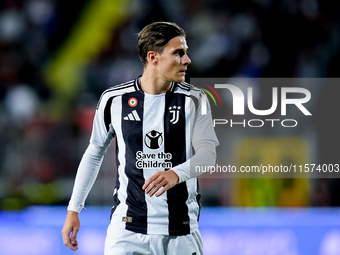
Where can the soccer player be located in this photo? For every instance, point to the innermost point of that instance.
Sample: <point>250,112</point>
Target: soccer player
<point>163,128</point>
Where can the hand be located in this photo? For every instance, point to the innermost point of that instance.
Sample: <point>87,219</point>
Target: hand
<point>163,179</point>
<point>72,225</point>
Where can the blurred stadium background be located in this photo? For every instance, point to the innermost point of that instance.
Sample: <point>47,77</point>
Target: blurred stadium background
<point>56,57</point>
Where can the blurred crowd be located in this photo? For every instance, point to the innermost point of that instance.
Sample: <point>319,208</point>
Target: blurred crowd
<point>40,150</point>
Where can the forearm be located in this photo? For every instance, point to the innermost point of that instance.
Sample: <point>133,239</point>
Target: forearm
<point>204,142</point>
<point>204,156</point>
<point>86,175</point>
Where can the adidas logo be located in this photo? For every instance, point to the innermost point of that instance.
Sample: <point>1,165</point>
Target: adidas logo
<point>132,116</point>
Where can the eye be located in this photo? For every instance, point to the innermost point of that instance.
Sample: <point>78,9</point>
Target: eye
<point>180,53</point>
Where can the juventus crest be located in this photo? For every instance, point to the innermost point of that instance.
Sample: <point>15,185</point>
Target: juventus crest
<point>174,110</point>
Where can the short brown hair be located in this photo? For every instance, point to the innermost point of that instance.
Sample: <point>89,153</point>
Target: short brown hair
<point>155,36</point>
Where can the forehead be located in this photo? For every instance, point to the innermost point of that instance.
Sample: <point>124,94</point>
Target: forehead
<point>177,42</point>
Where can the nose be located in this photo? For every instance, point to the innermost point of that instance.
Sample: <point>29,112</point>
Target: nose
<point>186,60</point>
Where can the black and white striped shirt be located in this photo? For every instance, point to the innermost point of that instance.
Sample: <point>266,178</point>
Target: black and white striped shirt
<point>154,133</point>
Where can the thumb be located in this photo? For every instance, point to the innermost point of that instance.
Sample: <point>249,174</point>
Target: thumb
<point>74,235</point>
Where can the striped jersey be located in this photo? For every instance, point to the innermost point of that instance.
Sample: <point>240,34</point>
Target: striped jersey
<point>154,133</point>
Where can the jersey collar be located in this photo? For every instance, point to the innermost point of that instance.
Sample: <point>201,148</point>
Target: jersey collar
<point>138,86</point>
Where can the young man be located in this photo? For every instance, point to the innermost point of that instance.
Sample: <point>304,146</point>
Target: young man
<point>158,122</point>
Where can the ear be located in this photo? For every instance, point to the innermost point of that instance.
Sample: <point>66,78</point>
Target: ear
<point>152,57</point>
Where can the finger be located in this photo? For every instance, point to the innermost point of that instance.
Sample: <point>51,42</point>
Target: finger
<point>67,239</point>
<point>152,190</point>
<point>150,180</point>
<point>74,234</point>
<point>151,187</point>
<point>74,245</point>
<point>157,188</point>
<point>73,238</point>
<point>66,235</point>
<point>165,188</point>
<point>154,186</point>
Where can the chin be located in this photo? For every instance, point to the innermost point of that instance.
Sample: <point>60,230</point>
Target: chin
<point>177,78</point>
<point>181,79</point>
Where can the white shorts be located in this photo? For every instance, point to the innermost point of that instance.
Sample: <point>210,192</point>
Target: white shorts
<point>120,241</point>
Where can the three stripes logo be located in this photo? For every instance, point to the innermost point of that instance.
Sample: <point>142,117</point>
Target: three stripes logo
<point>133,116</point>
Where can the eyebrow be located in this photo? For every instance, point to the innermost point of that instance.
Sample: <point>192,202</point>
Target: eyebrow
<point>181,50</point>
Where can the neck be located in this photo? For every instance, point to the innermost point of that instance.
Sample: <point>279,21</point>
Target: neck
<point>152,84</point>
